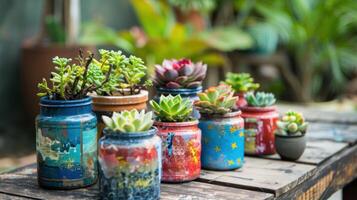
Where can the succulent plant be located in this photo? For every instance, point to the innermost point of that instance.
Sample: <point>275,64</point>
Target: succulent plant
<point>260,99</point>
<point>292,123</point>
<point>179,74</point>
<point>129,121</point>
<point>172,108</point>
<point>241,82</point>
<point>216,100</point>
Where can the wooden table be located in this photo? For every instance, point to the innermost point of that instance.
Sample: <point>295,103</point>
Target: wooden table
<point>327,165</point>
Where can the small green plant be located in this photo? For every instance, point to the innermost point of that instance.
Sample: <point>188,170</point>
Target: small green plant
<point>241,82</point>
<point>260,99</point>
<point>216,100</point>
<point>172,109</point>
<point>292,124</point>
<point>129,121</point>
<point>179,74</point>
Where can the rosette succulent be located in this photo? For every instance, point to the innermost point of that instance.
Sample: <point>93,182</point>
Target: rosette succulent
<point>179,74</point>
<point>260,99</point>
<point>172,108</point>
<point>241,82</point>
<point>216,100</point>
<point>129,121</point>
<point>292,124</point>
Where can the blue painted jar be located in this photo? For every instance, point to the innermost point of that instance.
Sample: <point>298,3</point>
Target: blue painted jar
<point>222,141</point>
<point>66,144</point>
<point>183,92</point>
<point>129,165</point>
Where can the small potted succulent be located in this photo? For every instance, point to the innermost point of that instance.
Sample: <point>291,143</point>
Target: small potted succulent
<point>124,90</point>
<point>241,83</point>
<point>260,118</point>
<point>181,138</point>
<point>129,157</point>
<point>290,139</point>
<point>181,77</point>
<point>66,128</point>
<point>222,129</point>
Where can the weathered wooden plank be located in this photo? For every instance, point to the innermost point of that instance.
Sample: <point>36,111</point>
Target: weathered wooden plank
<point>334,132</point>
<point>12,197</point>
<point>23,183</point>
<point>317,151</point>
<point>265,175</point>
<point>319,115</point>
<point>331,176</point>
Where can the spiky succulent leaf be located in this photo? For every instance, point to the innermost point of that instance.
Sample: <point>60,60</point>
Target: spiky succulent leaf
<point>179,74</point>
<point>172,108</point>
<point>292,123</point>
<point>129,121</point>
<point>216,100</point>
<point>260,99</point>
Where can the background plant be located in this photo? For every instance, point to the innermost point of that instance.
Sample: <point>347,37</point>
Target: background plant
<point>179,74</point>
<point>129,121</point>
<point>216,100</point>
<point>172,108</point>
<point>260,99</point>
<point>241,82</point>
<point>291,124</point>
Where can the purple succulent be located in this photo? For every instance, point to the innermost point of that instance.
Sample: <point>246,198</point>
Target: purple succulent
<point>179,74</point>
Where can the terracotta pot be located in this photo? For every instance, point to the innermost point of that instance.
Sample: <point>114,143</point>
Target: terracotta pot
<point>222,141</point>
<point>181,150</point>
<point>241,102</point>
<point>37,64</point>
<point>260,125</point>
<point>290,147</point>
<point>106,105</point>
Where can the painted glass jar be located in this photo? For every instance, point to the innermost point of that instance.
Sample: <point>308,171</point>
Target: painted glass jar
<point>260,125</point>
<point>181,150</point>
<point>129,165</point>
<point>241,102</point>
<point>66,144</point>
<point>222,141</point>
<point>183,92</point>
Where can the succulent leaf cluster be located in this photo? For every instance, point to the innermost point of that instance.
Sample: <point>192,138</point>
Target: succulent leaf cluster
<point>129,121</point>
<point>241,82</point>
<point>260,99</point>
<point>216,100</point>
<point>172,108</point>
<point>112,72</point>
<point>292,123</point>
<point>179,74</point>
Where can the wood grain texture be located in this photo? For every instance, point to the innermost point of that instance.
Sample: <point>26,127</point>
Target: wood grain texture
<point>22,183</point>
<point>265,175</point>
<point>330,177</point>
<point>334,132</point>
<point>316,151</point>
<point>319,115</point>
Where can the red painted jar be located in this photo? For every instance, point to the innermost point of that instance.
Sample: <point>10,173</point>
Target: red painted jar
<point>241,102</point>
<point>181,151</point>
<point>260,125</point>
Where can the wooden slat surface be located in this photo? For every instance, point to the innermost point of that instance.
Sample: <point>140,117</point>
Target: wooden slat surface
<point>333,132</point>
<point>23,183</point>
<point>317,151</point>
<point>273,176</point>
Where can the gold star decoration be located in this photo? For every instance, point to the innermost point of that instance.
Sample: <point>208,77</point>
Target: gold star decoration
<point>234,145</point>
<point>210,127</point>
<point>230,162</point>
<point>234,128</point>
<point>239,160</point>
<point>241,134</point>
<point>217,149</point>
<point>69,163</point>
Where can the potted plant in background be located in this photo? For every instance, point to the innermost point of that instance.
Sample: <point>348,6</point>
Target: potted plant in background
<point>66,140</point>
<point>181,138</point>
<point>290,141</point>
<point>124,90</point>
<point>180,77</point>
<point>241,84</point>
<point>222,129</point>
<point>129,157</point>
<point>260,118</point>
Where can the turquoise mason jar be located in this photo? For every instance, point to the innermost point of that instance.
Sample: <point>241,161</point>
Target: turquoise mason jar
<point>66,144</point>
<point>222,141</point>
<point>130,165</point>
<point>190,93</point>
